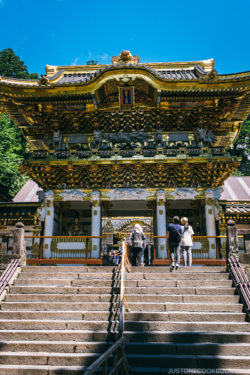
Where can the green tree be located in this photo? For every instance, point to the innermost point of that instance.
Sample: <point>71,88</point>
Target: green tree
<point>12,148</point>
<point>12,66</point>
<point>242,145</point>
<point>12,142</point>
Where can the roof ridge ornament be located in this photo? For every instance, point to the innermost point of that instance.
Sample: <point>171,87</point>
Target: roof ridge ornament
<point>44,81</point>
<point>125,58</point>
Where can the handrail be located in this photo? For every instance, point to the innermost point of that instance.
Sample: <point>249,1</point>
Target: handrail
<point>121,317</point>
<point>8,273</point>
<point>102,360</point>
<point>62,236</point>
<point>197,236</point>
<point>116,351</point>
<point>241,282</point>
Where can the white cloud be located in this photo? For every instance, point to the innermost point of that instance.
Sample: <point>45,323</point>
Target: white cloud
<point>105,57</point>
<point>75,61</point>
<point>90,56</point>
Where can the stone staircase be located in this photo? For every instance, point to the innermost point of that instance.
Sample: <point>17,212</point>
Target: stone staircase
<point>57,320</point>
<point>189,321</point>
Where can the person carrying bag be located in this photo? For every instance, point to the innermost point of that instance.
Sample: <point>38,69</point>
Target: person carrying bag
<point>138,242</point>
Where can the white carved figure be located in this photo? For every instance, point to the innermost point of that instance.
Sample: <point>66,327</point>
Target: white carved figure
<point>160,195</point>
<point>49,195</point>
<point>130,194</point>
<point>95,196</point>
<point>72,195</point>
<point>184,193</point>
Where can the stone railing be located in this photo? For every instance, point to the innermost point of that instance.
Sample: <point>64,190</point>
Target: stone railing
<point>12,246</point>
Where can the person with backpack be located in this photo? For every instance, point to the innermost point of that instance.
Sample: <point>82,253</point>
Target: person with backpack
<point>187,242</point>
<point>138,242</point>
<point>174,230</point>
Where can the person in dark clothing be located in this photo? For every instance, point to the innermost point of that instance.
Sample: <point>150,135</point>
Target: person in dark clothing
<point>174,230</point>
<point>138,242</point>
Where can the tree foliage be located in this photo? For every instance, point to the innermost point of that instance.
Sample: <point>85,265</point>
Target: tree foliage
<point>12,66</point>
<point>243,146</point>
<point>12,142</point>
<point>12,148</point>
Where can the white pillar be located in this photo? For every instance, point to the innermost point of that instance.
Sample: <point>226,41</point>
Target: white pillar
<point>96,224</point>
<point>210,224</point>
<point>161,224</point>
<point>49,223</point>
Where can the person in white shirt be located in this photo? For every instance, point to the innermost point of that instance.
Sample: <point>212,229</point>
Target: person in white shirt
<point>187,242</point>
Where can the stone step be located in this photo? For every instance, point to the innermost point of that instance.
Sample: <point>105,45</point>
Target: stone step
<point>137,290</point>
<point>69,282</point>
<point>55,346</point>
<point>129,283</point>
<point>203,299</point>
<point>95,325</point>
<point>144,283</point>
<point>130,336</point>
<point>189,361</point>
<point>237,349</point>
<point>61,290</point>
<point>188,337</point>
<point>200,299</point>
<point>177,316</point>
<point>59,306</point>
<point>60,298</point>
<point>67,275</point>
<point>41,370</point>
<point>223,326</point>
<point>129,276</point>
<point>160,360</point>
<point>174,316</point>
<point>66,269</point>
<point>180,290</point>
<point>56,315</point>
<point>184,307</point>
<point>176,276</point>
<point>165,269</point>
<point>134,307</point>
<point>184,286</point>
<point>57,335</point>
<point>46,358</point>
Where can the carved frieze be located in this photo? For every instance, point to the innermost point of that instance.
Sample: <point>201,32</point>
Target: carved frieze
<point>72,195</point>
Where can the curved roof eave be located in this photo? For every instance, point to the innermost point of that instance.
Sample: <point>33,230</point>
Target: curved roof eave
<point>118,72</point>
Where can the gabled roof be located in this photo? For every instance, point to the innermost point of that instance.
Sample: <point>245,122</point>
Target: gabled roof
<point>202,70</point>
<point>28,192</point>
<point>236,189</point>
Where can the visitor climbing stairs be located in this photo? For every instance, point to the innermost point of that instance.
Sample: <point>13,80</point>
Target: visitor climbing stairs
<point>58,320</point>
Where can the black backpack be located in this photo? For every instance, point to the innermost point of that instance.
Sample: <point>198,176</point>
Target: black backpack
<point>176,236</point>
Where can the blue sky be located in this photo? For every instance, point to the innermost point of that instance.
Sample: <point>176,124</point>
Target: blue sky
<point>70,32</point>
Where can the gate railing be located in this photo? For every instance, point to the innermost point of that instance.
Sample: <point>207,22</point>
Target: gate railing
<point>64,249</point>
<point>241,282</point>
<point>200,250</point>
<point>115,357</point>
